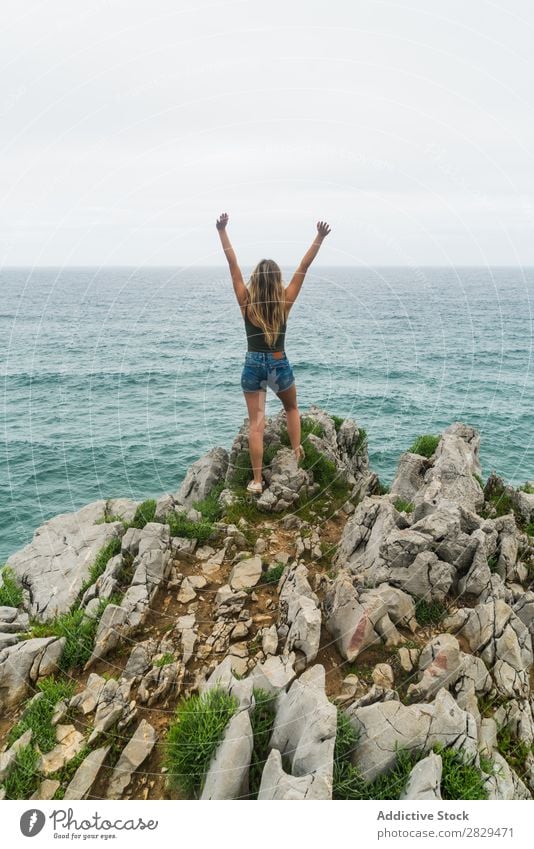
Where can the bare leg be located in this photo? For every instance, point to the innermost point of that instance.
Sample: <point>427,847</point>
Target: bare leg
<point>289,399</point>
<point>256,416</point>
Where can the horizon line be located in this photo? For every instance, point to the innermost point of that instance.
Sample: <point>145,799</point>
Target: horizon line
<point>333,265</point>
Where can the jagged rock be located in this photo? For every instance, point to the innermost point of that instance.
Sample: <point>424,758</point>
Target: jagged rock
<point>424,781</point>
<point>87,700</point>
<point>54,565</point>
<point>427,577</point>
<point>349,622</point>
<point>408,658</point>
<point>107,584</point>
<point>523,502</point>
<point>275,673</point>
<point>46,789</point>
<point>222,676</point>
<point>229,602</point>
<point>151,566</point>
<point>451,476</point>
<point>140,660</point>
<point>227,776</point>
<point>269,640</point>
<point>286,482</point>
<point>69,743</point>
<point>130,541</point>
<point>7,640</point>
<point>399,605</point>
<point>132,756</point>
<point>505,783</point>
<point>502,640</point>
<point>375,694</point>
<point>349,687</point>
<point>23,664</point>
<point>7,758</point>
<point>410,476</point>
<point>186,626</point>
<point>305,728</point>
<point>385,726</point>
<point>487,736</point>
<point>159,681</point>
<point>441,665</point>
<point>13,621</point>
<point>87,773</point>
<point>383,675</point>
<point>246,573</point>
<point>518,718</point>
<point>187,591</point>
<point>300,616</point>
<point>113,706</point>
<point>202,476</point>
<point>277,784</point>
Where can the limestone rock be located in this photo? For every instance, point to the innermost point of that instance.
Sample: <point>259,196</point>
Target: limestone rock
<point>7,758</point>
<point>305,727</point>
<point>274,674</point>
<point>85,776</point>
<point>424,781</point>
<point>132,756</point>
<point>70,742</point>
<point>23,664</point>
<point>277,784</point>
<point>227,776</point>
<point>54,565</point>
<point>246,573</point>
<point>202,476</point>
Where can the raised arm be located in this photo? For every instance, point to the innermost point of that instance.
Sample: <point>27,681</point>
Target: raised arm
<point>240,289</point>
<point>297,280</point>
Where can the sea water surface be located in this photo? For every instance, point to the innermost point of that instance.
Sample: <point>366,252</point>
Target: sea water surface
<point>114,380</point>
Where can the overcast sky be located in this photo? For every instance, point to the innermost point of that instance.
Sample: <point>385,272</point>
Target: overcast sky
<point>127,126</point>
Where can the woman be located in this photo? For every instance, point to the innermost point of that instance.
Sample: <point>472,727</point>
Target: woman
<point>265,305</point>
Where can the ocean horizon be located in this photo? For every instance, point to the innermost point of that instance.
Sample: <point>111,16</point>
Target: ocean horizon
<point>116,379</point>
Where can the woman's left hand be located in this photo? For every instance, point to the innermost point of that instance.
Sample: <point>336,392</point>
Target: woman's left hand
<point>222,221</point>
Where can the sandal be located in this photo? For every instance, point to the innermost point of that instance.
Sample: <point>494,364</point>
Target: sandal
<point>255,488</point>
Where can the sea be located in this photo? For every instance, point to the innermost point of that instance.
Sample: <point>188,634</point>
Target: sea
<point>114,380</point>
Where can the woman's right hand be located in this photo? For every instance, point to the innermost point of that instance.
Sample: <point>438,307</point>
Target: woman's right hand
<point>323,229</point>
<point>222,221</point>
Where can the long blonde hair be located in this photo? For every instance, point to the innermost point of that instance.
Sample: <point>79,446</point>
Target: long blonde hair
<point>266,305</point>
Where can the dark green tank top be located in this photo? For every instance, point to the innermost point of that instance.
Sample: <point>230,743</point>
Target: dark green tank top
<point>257,341</point>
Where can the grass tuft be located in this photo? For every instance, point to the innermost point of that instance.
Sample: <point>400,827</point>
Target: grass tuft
<point>403,506</point>
<point>338,421</point>
<point>10,591</point>
<point>273,575</point>
<point>165,659</point>
<point>193,737</point>
<point>111,549</point>
<point>79,631</point>
<point>460,779</point>
<point>425,445</point>
<point>39,712</point>
<point>181,526</point>
<point>24,777</point>
<point>209,506</point>
<point>262,720</point>
<point>144,514</point>
<point>430,612</point>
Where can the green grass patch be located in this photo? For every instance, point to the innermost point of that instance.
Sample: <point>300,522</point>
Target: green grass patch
<point>429,612</point>
<point>262,720</point>
<point>527,487</point>
<point>492,563</point>
<point>273,575</point>
<point>79,632</point>
<point>193,737</point>
<point>111,549</point>
<point>144,514</point>
<point>361,442</point>
<point>403,506</point>
<point>529,529</point>
<point>39,712</point>
<point>165,659</point>
<point>425,445</point>
<point>24,777</point>
<point>241,473</point>
<point>338,421</point>
<point>460,779</point>
<point>515,751</point>
<point>181,526</point>
<point>479,480</point>
<point>209,506</point>
<point>10,590</point>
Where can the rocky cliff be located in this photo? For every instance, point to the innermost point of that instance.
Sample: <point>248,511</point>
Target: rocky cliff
<point>330,639</point>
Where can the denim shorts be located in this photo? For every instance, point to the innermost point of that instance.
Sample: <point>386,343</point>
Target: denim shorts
<point>264,370</point>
